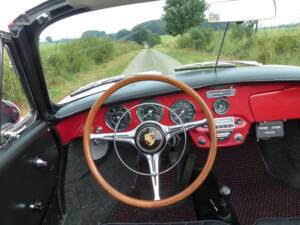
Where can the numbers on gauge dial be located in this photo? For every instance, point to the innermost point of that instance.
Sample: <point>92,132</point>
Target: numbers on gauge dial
<point>184,109</point>
<point>150,110</point>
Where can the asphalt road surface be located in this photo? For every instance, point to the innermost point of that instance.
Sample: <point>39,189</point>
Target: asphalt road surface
<point>152,60</point>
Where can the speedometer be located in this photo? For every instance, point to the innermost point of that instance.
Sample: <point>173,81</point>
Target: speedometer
<point>114,115</point>
<point>184,109</point>
<point>150,110</point>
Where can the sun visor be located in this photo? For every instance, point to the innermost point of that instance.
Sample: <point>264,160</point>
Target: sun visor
<point>102,4</point>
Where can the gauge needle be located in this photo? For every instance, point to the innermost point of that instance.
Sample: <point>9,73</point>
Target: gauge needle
<point>148,113</point>
<point>181,113</point>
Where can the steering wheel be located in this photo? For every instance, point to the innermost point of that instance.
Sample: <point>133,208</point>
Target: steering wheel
<point>150,139</point>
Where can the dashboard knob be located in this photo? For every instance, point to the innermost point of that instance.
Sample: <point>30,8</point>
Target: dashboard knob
<point>239,137</point>
<point>40,163</point>
<point>36,206</point>
<point>239,122</point>
<point>202,141</point>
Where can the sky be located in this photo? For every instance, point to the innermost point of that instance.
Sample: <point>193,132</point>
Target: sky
<point>114,19</point>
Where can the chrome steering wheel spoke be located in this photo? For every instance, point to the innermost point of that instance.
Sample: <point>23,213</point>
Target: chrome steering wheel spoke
<point>171,131</point>
<point>125,137</point>
<point>154,164</point>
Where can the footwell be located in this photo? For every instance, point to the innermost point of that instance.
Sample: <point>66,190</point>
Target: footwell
<point>255,194</point>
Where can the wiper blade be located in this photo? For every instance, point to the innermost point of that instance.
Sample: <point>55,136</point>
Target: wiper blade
<point>211,65</point>
<point>247,63</point>
<point>97,84</point>
<point>205,65</point>
<point>85,88</point>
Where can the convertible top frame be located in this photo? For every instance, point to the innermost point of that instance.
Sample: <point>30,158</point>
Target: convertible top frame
<point>102,4</point>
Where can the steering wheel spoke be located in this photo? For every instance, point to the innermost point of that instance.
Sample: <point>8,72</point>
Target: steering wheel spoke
<point>171,131</point>
<point>125,137</point>
<point>154,164</point>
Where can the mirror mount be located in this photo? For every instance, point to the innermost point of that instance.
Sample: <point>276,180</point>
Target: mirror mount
<point>222,45</point>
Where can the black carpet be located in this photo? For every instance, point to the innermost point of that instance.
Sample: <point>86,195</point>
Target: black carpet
<point>183,211</point>
<point>86,202</point>
<point>255,194</point>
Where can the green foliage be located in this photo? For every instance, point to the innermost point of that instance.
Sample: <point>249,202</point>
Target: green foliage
<point>180,15</point>
<point>268,46</point>
<point>12,89</point>
<point>93,33</point>
<point>243,30</point>
<point>123,34</point>
<point>71,64</point>
<point>196,38</point>
<point>75,56</point>
<point>184,41</point>
<point>62,61</point>
<point>153,39</point>
<point>144,36</point>
<point>155,26</point>
<point>49,39</point>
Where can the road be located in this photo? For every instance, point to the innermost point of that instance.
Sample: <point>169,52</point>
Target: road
<point>152,60</point>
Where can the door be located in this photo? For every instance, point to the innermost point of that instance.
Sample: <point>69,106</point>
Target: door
<point>29,153</point>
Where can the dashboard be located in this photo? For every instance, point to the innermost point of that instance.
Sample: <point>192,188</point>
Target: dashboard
<point>235,107</point>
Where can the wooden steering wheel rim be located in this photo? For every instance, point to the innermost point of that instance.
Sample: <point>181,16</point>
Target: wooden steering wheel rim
<point>148,203</point>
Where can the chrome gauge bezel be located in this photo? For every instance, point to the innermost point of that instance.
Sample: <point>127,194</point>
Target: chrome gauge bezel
<point>183,100</point>
<point>217,102</point>
<point>149,102</point>
<point>106,119</point>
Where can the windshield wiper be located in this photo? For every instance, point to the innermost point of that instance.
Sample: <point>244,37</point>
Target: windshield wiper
<point>246,63</point>
<point>97,84</point>
<point>211,65</point>
<point>205,65</point>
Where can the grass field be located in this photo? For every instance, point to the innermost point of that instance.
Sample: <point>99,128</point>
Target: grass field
<point>268,46</point>
<point>97,72</point>
<point>183,55</point>
<point>68,66</point>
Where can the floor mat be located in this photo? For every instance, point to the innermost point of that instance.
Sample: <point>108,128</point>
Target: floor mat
<point>87,203</point>
<point>183,211</point>
<point>255,194</point>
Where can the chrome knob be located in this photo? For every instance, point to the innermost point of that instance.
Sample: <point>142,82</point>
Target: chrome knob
<point>36,206</point>
<point>239,137</point>
<point>225,191</point>
<point>40,163</point>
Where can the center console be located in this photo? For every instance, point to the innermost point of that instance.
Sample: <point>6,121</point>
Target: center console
<point>230,131</point>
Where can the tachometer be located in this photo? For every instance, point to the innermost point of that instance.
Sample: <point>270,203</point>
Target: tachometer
<point>150,110</point>
<point>114,114</point>
<point>185,110</point>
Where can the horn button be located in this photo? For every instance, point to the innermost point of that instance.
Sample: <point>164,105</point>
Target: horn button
<point>150,138</point>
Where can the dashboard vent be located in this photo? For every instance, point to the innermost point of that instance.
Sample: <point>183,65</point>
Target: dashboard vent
<point>221,93</point>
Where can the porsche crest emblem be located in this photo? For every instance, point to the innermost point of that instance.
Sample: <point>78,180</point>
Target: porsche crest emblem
<point>150,139</point>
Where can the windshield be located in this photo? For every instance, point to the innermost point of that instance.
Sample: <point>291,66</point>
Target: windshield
<point>159,37</point>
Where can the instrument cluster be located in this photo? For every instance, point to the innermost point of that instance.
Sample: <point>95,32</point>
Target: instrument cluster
<point>119,117</point>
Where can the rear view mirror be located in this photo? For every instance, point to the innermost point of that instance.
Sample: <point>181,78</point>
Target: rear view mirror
<point>241,10</point>
<point>10,114</point>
